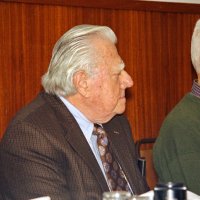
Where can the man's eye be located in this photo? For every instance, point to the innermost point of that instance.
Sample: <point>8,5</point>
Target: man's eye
<point>116,76</point>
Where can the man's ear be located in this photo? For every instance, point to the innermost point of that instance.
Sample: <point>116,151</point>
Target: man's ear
<point>80,80</point>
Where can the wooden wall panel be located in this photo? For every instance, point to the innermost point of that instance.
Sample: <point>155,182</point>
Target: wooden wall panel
<point>154,45</point>
<point>184,6</point>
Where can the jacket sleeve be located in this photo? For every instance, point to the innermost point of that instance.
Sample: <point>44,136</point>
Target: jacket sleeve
<point>29,163</point>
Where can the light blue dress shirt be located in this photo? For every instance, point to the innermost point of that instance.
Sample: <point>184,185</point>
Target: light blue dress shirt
<point>87,129</point>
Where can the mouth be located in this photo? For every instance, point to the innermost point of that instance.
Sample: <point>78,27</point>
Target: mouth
<point>123,98</point>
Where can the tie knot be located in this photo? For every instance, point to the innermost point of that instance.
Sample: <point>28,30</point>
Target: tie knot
<point>99,131</point>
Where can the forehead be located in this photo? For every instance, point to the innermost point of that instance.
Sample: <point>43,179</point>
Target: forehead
<point>107,55</point>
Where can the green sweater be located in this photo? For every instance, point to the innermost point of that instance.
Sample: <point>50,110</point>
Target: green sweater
<point>176,152</point>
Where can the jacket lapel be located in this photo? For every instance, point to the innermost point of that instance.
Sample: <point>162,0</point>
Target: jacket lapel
<point>122,152</point>
<point>80,145</point>
<point>75,137</point>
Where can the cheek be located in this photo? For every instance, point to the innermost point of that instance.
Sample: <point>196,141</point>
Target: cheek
<point>112,90</point>
<point>106,93</point>
<point>110,99</point>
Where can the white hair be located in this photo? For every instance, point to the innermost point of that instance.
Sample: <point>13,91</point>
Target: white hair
<point>195,47</point>
<point>73,52</point>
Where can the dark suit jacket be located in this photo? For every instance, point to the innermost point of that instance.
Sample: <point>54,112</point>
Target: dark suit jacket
<point>44,153</point>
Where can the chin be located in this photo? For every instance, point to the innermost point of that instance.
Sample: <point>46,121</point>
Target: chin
<point>120,110</point>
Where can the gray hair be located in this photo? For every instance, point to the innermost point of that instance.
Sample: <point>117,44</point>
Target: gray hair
<point>195,47</point>
<point>73,52</point>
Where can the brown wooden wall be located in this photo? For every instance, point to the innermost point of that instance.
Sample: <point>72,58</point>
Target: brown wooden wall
<point>155,45</point>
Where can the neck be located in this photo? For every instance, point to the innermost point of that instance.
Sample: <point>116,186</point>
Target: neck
<point>198,78</point>
<point>88,109</point>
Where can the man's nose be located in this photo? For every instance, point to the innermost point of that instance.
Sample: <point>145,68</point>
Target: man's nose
<point>126,80</point>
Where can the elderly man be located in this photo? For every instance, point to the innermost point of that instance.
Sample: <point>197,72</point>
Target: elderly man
<point>177,149</point>
<point>72,141</point>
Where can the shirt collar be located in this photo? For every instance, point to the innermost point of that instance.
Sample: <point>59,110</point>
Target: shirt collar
<point>196,89</point>
<point>85,125</point>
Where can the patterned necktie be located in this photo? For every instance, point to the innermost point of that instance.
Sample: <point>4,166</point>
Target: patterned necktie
<point>115,176</point>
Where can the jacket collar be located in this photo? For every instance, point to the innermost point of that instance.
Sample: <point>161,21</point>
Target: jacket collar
<point>75,137</point>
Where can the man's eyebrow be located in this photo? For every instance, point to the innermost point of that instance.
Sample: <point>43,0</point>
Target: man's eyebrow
<point>122,65</point>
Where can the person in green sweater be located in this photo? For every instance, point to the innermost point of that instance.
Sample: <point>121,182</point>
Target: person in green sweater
<point>176,153</point>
